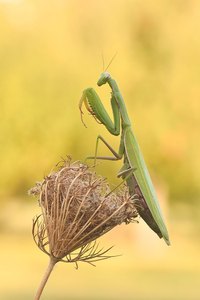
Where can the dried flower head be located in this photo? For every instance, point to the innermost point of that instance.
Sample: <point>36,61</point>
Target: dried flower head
<point>77,208</point>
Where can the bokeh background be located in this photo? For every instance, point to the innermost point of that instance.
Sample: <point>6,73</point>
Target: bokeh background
<point>49,52</point>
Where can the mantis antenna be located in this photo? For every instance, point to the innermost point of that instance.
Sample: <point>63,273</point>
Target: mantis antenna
<point>110,62</point>
<point>103,61</point>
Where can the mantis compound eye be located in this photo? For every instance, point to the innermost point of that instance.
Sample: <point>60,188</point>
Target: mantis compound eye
<point>103,78</point>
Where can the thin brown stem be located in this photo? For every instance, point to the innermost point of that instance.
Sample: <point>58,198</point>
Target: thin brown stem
<point>49,269</point>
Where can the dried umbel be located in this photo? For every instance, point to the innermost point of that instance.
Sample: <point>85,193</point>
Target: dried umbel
<point>77,208</point>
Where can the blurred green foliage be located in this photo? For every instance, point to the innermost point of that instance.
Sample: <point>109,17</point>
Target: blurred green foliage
<point>51,50</point>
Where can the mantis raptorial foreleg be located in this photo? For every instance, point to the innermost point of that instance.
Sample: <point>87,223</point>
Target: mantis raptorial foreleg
<point>97,110</point>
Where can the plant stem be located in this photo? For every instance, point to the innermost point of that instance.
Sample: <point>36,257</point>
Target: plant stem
<point>49,269</point>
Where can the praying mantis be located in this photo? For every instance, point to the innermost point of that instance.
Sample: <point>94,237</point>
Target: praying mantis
<point>134,170</point>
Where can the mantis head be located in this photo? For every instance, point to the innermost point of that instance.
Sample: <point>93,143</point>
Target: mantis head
<point>103,78</point>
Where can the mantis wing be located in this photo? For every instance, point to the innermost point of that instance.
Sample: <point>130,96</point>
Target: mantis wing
<point>141,174</point>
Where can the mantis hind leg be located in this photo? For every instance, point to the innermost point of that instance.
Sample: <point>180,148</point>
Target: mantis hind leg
<point>125,170</point>
<point>125,173</point>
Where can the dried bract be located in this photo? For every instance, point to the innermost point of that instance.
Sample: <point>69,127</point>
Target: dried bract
<point>77,208</point>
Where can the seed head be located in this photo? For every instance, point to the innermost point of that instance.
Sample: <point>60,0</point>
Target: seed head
<point>77,208</point>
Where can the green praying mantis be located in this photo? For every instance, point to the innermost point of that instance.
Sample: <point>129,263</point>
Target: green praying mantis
<point>138,178</point>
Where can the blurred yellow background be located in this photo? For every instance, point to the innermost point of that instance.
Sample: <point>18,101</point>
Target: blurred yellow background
<point>49,52</point>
